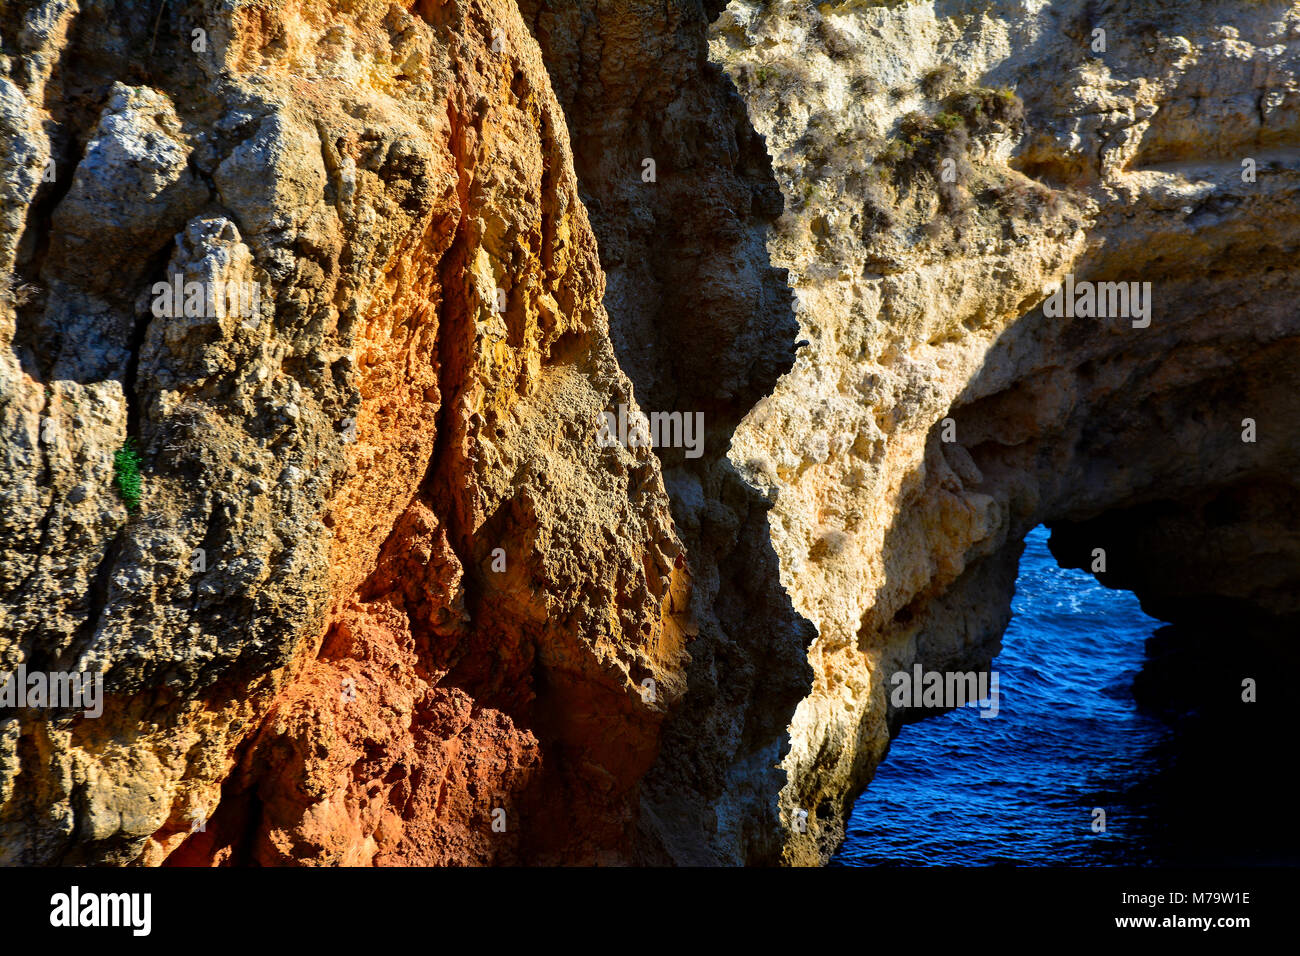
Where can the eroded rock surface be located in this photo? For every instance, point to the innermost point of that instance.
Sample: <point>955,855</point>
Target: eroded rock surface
<point>922,300</point>
<point>387,600</point>
<point>424,592</point>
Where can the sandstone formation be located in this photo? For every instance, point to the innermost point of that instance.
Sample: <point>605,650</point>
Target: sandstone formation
<point>357,674</point>
<point>387,600</point>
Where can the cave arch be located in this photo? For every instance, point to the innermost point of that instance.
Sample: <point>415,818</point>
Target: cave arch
<point>1102,707</point>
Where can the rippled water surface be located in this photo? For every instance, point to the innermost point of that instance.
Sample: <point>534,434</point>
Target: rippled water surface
<point>1020,788</point>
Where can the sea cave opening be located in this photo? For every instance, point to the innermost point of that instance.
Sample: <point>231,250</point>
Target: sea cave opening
<point>1118,741</point>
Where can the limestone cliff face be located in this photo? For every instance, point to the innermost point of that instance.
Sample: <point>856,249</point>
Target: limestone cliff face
<point>387,600</point>
<point>425,592</point>
<point>922,302</point>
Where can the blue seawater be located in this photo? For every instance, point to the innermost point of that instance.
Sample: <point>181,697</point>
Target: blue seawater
<point>1020,788</point>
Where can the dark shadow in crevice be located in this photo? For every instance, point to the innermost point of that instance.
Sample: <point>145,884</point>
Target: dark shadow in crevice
<point>701,322</point>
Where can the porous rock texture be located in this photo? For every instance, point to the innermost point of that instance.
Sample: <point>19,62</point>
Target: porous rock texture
<point>387,600</point>
<point>427,593</point>
<point>922,302</point>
